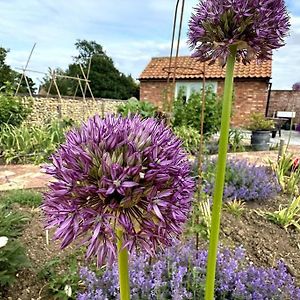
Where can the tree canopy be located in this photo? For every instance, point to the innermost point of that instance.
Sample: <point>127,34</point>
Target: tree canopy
<point>11,77</point>
<point>106,81</point>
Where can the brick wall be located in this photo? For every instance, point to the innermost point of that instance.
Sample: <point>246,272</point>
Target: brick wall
<point>153,91</point>
<point>287,100</point>
<point>250,96</point>
<point>45,109</point>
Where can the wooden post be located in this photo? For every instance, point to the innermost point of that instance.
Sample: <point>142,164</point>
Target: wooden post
<point>280,149</point>
<point>23,73</point>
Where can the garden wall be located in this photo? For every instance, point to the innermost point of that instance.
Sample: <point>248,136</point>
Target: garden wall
<point>285,100</point>
<point>46,109</point>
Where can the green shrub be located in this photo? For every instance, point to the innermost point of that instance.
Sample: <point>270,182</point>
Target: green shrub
<point>258,122</point>
<point>13,110</point>
<point>30,144</point>
<point>189,113</point>
<point>134,106</point>
<point>12,259</point>
<point>190,138</point>
<point>12,255</point>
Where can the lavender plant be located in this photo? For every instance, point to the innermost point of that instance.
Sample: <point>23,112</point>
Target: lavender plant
<point>121,184</point>
<point>228,30</point>
<point>243,181</point>
<point>179,273</point>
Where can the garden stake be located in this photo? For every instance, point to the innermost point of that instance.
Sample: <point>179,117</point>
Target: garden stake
<point>200,153</point>
<point>220,176</point>
<point>123,269</point>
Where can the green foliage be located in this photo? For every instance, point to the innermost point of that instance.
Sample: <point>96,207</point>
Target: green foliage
<point>200,221</point>
<point>287,176</point>
<point>11,223</point>
<point>235,207</point>
<point>236,137</point>
<point>285,217</point>
<point>61,284</point>
<point>258,122</point>
<point>12,255</point>
<point>7,75</point>
<point>189,113</point>
<point>23,197</point>
<point>190,138</point>
<point>31,144</point>
<point>13,110</point>
<point>106,80</point>
<point>134,106</point>
<point>12,259</point>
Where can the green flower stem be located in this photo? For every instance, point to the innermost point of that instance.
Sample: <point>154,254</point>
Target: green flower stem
<point>123,269</point>
<point>220,177</point>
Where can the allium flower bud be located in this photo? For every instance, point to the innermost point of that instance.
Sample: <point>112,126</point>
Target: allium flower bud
<point>256,26</point>
<point>115,173</point>
<point>296,86</point>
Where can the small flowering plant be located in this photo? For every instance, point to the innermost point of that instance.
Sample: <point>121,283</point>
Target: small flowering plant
<point>296,86</point>
<point>121,184</point>
<point>230,30</point>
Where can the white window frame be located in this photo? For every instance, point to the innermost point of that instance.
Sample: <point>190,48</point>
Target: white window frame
<point>190,86</point>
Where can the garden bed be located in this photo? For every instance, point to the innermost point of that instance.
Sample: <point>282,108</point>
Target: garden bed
<point>265,243</point>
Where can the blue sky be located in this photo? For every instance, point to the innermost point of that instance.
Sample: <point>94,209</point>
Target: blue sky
<point>131,32</point>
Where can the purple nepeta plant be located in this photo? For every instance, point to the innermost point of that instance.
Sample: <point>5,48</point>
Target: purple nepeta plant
<point>179,273</point>
<point>296,86</point>
<point>119,173</point>
<point>256,26</point>
<point>243,181</point>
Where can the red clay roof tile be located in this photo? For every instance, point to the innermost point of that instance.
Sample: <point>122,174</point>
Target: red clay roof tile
<point>189,67</point>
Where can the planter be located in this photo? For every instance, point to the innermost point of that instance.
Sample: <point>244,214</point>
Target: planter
<point>260,140</point>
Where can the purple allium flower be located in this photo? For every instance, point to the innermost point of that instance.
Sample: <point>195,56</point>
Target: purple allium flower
<point>296,86</point>
<point>115,173</point>
<point>256,26</point>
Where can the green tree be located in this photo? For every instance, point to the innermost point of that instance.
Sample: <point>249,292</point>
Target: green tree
<point>7,75</point>
<point>5,70</point>
<point>106,81</point>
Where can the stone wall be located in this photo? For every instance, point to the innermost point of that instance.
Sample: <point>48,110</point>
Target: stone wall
<point>250,96</point>
<point>285,100</point>
<point>46,109</point>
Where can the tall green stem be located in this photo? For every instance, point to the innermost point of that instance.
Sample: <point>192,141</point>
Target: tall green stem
<point>220,177</point>
<point>123,269</point>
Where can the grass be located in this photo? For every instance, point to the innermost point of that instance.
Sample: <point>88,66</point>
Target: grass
<point>23,197</point>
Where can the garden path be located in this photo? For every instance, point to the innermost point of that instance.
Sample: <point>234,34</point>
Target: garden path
<point>32,177</point>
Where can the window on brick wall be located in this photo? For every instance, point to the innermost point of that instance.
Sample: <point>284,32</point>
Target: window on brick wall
<point>190,87</point>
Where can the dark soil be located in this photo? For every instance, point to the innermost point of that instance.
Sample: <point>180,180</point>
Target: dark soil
<point>265,244</point>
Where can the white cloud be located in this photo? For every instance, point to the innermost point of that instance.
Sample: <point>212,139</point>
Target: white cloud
<point>131,32</point>
<point>286,60</point>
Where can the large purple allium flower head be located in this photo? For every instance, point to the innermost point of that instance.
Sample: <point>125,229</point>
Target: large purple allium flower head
<point>119,174</point>
<point>296,86</point>
<point>256,26</point>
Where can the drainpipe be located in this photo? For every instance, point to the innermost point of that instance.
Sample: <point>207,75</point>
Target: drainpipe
<point>268,98</point>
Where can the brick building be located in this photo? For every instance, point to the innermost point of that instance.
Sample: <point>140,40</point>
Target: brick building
<point>251,83</point>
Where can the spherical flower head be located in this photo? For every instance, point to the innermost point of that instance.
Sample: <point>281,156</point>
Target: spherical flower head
<point>256,26</point>
<point>123,174</point>
<point>296,86</point>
